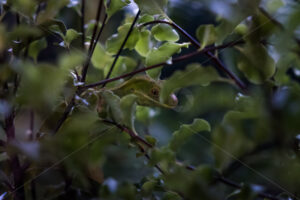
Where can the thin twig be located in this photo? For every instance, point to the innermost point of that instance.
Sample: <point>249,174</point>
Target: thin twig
<point>122,46</point>
<point>86,65</point>
<point>218,62</point>
<point>99,34</point>
<point>82,23</point>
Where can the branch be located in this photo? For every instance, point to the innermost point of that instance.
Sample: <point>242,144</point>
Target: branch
<point>178,59</point>
<point>218,62</point>
<point>85,67</point>
<point>122,46</point>
<point>82,23</point>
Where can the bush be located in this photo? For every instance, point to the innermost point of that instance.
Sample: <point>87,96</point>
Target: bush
<point>91,92</point>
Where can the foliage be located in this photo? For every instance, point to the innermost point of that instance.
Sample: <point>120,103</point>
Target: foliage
<point>91,91</point>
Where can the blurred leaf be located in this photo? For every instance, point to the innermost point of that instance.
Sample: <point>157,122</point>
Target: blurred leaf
<point>70,36</point>
<point>164,32</point>
<point>36,47</point>
<point>186,131</point>
<point>115,6</point>
<point>171,196</point>
<point>152,7</point>
<point>41,85</point>
<point>143,44</point>
<point>206,34</point>
<point>148,187</point>
<point>151,140</point>
<point>115,41</point>
<point>194,74</point>
<point>256,63</point>
<point>101,59</point>
<point>52,24</point>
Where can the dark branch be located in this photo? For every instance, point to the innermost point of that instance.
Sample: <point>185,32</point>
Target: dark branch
<point>198,45</point>
<point>86,65</point>
<point>82,23</point>
<point>122,46</point>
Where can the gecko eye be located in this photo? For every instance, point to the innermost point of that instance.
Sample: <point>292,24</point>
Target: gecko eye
<point>154,91</point>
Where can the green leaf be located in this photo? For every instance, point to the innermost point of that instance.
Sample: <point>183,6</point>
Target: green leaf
<point>148,187</point>
<point>152,7</point>
<point>51,23</point>
<point>164,32</point>
<point>274,5</point>
<point>206,34</point>
<point>70,36</point>
<point>36,47</point>
<point>115,41</point>
<point>113,102</point>
<point>194,74</point>
<point>101,59</point>
<point>151,140</point>
<point>171,196</point>
<point>143,44</point>
<point>162,54</point>
<point>115,6</point>
<point>145,18</point>
<point>256,63</point>
<point>128,106</point>
<point>186,131</point>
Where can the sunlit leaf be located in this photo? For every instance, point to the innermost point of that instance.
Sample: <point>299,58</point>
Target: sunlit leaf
<point>152,7</point>
<point>115,6</point>
<point>143,44</point>
<point>115,41</point>
<point>164,32</point>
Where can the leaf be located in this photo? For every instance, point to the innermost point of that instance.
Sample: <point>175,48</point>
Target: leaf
<point>206,34</point>
<point>50,23</point>
<point>115,6</point>
<point>152,7</point>
<point>36,47</point>
<point>128,106</point>
<point>256,64</point>
<point>162,54</point>
<point>70,36</point>
<point>186,131</point>
<point>115,41</point>
<point>143,44</point>
<point>113,102</point>
<point>171,196</point>
<point>164,32</point>
<point>145,18</point>
<point>194,74</point>
<point>101,59</point>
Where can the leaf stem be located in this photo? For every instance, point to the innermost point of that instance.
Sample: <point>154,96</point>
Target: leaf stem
<point>217,61</point>
<point>122,46</point>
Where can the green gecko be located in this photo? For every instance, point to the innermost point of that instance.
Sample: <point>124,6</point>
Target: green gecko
<point>147,91</point>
